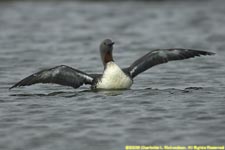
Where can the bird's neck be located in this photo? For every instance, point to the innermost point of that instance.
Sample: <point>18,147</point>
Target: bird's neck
<point>107,58</point>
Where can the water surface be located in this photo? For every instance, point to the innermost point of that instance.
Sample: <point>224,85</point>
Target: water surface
<point>178,103</point>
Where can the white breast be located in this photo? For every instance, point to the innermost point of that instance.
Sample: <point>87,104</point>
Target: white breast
<point>114,78</point>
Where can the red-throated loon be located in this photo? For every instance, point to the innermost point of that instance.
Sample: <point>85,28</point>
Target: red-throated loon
<point>113,77</point>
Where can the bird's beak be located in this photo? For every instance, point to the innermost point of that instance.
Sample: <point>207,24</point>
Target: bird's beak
<point>112,44</point>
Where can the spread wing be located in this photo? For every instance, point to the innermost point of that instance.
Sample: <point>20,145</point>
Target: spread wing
<point>62,75</point>
<point>160,56</point>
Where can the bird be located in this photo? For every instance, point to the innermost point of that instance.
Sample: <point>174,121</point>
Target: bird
<point>113,77</point>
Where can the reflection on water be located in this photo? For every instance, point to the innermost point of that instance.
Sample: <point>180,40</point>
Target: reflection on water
<point>69,94</point>
<point>73,94</point>
<point>59,93</point>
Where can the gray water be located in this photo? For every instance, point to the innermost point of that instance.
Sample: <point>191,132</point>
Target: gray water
<point>178,103</point>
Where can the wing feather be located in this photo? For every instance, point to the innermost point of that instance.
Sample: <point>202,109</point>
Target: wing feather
<point>62,75</point>
<point>160,56</point>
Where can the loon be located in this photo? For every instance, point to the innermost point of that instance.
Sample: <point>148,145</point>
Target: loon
<point>113,77</point>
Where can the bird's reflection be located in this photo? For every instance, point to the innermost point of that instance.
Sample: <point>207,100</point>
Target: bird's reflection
<point>58,93</point>
<point>110,92</point>
<point>69,94</point>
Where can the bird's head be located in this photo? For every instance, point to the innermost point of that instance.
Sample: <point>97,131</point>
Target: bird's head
<point>106,48</point>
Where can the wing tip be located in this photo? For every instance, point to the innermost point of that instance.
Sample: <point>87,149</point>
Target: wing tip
<point>202,52</point>
<point>211,53</point>
<point>14,86</point>
<point>23,82</point>
<point>11,88</point>
<point>206,53</point>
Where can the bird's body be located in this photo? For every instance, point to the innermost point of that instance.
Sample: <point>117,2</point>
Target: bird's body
<point>113,77</point>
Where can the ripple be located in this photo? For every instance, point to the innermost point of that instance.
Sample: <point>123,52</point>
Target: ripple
<point>178,103</point>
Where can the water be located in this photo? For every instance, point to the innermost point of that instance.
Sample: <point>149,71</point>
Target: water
<point>178,103</point>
